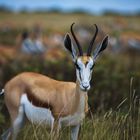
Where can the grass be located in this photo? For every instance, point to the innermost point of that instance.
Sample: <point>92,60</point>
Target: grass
<point>48,21</point>
<point>110,126</point>
<point>116,124</point>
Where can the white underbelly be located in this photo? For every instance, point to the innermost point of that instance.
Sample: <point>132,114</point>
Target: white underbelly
<point>35,114</point>
<point>39,115</point>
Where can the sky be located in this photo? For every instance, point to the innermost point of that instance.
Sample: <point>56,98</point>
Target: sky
<point>93,6</point>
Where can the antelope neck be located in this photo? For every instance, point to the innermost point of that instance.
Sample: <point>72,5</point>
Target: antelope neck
<point>79,90</point>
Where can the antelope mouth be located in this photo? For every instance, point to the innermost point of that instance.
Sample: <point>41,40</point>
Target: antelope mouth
<point>85,88</point>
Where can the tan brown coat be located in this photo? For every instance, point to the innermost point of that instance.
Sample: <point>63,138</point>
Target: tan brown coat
<point>62,98</point>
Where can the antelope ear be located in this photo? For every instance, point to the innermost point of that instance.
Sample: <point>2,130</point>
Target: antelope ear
<point>101,47</point>
<point>69,46</point>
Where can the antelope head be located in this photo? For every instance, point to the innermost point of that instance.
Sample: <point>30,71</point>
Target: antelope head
<point>84,63</point>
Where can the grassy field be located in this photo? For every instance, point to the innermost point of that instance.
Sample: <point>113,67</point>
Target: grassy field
<point>112,125</point>
<point>62,22</point>
<point>53,23</point>
<point>121,121</point>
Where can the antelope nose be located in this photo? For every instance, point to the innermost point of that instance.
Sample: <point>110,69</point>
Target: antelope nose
<point>86,85</point>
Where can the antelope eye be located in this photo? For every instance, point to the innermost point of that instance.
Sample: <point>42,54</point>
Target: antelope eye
<point>91,68</point>
<point>77,66</point>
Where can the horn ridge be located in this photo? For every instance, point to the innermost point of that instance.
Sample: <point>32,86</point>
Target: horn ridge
<point>77,43</point>
<point>92,41</point>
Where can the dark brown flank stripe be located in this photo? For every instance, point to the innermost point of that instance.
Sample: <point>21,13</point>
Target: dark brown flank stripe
<point>36,101</point>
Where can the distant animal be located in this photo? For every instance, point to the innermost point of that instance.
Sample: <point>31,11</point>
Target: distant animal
<point>43,100</point>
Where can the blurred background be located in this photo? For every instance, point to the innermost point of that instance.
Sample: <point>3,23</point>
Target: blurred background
<point>31,39</point>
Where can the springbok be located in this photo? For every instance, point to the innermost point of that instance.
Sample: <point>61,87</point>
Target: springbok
<point>43,100</point>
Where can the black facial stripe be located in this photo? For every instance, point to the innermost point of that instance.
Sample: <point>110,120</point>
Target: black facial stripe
<point>92,67</point>
<point>80,75</point>
<point>77,66</point>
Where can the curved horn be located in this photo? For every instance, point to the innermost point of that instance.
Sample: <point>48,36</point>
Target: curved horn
<point>92,41</point>
<point>77,43</point>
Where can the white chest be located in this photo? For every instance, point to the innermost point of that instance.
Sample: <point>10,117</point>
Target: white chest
<point>39,115</point>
